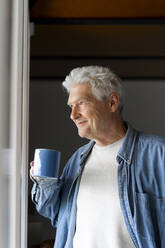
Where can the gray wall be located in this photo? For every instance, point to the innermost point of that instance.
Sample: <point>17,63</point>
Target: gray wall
<point>144,105</point>
<point>50,124</point>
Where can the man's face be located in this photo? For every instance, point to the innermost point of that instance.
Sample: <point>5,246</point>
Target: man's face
<point>90,115</point>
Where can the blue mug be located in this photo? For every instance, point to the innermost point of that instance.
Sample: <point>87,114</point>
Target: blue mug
<point>46,163</point>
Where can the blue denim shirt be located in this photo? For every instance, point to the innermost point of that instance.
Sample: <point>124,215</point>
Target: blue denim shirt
<point>141,186</point>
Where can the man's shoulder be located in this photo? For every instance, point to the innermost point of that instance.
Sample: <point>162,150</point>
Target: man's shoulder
<point>151,139</point>
<point>75,160</point>
<point>77,154</point>
<point>85,148</point>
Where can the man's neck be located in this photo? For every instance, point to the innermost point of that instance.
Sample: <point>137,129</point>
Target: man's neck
<point>114,134</point>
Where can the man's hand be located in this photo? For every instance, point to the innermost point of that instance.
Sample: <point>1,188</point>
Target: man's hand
<point>32,172</point>
<point>32,168</point>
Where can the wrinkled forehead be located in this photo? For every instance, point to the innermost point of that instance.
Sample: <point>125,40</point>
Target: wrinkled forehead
<point>80,91</point>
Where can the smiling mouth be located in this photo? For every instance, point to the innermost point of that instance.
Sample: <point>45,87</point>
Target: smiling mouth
<point>81,123</point>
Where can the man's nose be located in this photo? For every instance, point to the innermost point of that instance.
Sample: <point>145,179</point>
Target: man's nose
<point>74,113</point>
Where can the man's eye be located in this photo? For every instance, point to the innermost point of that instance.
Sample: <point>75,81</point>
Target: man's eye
<point>81,103</point>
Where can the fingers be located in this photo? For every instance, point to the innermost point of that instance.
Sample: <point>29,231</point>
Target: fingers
<point>32,168</point>
<point>31,163</point>
<point>32,171</point>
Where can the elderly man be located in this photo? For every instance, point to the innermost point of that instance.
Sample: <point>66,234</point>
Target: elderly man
<point>111,193</point>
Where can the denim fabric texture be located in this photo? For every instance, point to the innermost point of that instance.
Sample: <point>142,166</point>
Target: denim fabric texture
<point>141,186</point>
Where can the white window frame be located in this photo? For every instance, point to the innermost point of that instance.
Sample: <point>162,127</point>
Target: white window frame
<point>19,124</point>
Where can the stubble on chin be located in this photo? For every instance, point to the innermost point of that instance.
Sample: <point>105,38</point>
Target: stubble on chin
<point>84,134</point>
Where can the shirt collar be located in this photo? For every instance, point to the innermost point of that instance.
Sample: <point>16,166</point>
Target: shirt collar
<point>127,148</point>
<point>87,148</point>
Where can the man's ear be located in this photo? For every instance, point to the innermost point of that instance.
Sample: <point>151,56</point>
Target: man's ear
<point>114,101</point>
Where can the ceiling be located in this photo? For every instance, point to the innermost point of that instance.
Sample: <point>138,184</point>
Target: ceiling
<point>97,9</point>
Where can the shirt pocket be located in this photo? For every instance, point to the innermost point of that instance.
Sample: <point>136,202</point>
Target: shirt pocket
<point>149,216</point>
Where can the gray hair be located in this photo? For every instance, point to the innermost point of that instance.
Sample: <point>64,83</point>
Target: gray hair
<point>102,80</point>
